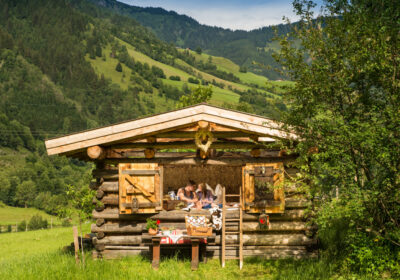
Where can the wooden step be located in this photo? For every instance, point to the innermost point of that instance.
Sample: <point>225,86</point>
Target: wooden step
<point>232,232</point>
<point>232,195</point>
<point>232,220</point>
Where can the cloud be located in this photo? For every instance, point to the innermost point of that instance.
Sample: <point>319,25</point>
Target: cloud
<point>245,15</point>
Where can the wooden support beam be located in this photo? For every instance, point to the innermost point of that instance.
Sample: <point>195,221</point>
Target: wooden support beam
<point>189,145</point>
<point>96,152</point>
<point>191,134</point>
<point>195,161</point>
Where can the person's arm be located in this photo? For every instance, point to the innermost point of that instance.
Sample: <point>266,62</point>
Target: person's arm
<point>181,195</point>
<point>195,198</point>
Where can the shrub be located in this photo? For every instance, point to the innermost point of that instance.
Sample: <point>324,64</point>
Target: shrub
<point>193,81</point>
<point>118,68</point>
<point>37,222</point>
<point>243,69</point>
<point>174,78</point>
<point>9,228</point>
<point>22,226</point>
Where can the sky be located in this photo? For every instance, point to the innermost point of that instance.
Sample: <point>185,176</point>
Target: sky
<point>233,14</point>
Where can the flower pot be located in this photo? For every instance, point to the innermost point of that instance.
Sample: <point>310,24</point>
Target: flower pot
<point>152,231</point>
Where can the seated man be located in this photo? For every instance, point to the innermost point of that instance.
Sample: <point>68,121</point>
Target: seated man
<point>187,193</point>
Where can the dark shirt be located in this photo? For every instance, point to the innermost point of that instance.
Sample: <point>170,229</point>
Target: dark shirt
<point>190,196</point>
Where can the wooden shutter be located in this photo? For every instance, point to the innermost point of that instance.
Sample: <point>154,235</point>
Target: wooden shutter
<point>140,188</point>
<point>256,198</point>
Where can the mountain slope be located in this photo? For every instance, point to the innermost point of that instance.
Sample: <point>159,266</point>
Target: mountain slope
<point>240,46</point>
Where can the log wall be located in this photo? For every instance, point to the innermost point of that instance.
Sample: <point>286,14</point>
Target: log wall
<point>117,235</point>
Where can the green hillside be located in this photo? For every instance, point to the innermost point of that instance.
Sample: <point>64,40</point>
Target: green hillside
<point>224,91</point>
<point>242,47</point>
<point>13,215</point>
<point>59,74</point>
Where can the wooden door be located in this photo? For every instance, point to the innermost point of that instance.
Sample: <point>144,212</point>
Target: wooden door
<point>140,188</point>
<point>262,188</point>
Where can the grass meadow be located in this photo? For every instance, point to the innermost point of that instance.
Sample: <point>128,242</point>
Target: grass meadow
<point>39,255</point>
<point>12,215</point>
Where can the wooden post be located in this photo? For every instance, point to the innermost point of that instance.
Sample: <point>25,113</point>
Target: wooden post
<point>76,244</point>
<point>195,253</point>
<point>223,227</point>
<point>156,252</point>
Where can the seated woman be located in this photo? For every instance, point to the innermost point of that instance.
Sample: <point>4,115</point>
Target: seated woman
<point>187,193</point>
<point>205,196</point>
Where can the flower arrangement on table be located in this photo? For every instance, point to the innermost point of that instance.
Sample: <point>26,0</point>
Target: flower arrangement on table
<point>152,226</point>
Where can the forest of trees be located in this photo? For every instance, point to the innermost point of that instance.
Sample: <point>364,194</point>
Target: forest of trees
<point>345,105</point>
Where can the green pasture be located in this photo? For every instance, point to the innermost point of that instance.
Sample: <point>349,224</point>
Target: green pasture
<point>219,96</point>
<point>231,67</point>
<point>12,215</point>
<point>39,255</point>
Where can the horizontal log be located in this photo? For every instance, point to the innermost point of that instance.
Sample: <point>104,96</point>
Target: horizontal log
<point>257,252</point>
<point>274,226</point>
<point>247,227</point>
<point>190,145</point>
<point>191,134</point>
<point>117,228</point>
<point>135,153</point>
<point>111,199</point>
<point>99,194</point>
<point>110,186</point>
<point>198,161</point>
<point>100,222</point>
<point>96,152</point>
<point>122,247</point>
<point>252,247</point>
<point>115,252</point>
<point>106,174</point>
<point>119,240</point>
<point>179,215</point>
<point>275,254</point>
<point>269,239</point>
<point>296,203</point>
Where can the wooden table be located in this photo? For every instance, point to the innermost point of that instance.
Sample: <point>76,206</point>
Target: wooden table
<point>195,241</point>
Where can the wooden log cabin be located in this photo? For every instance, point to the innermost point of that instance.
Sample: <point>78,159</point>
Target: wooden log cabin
<point>138,162</point>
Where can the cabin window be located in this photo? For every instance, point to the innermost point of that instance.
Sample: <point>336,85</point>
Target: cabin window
<point>263,188</point>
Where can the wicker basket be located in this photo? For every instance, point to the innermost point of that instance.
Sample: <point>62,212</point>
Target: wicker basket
<point>196,225</point>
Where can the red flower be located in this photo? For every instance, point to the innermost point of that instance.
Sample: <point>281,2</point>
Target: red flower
<point>158,222</point>
<point>262,221</point>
